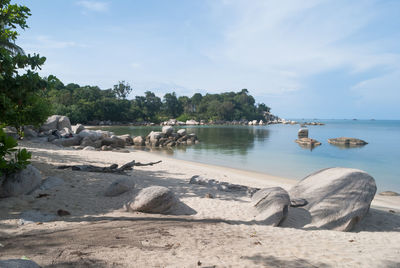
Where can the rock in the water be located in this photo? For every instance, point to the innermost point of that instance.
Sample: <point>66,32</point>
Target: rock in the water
<point>307,142</point>
<point>51,182</point>
<point>338,198</point>
<point>192,122</point>
<point>78,128</point>
<point>126,138</point>
<point>302,133</point>
<point>347,142</point>
<point>21,182</point>
<point>120,186</point>
<point>18,263</point>
<point>139,141</point>
<point>154,199</point>
<point>181,132</point>
<point>389,193</point>
<point>167,130</point>
<point>271,204</point>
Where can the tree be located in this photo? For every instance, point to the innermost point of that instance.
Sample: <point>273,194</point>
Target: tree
<point>122,90</point>
<point>171,106</point>
<point>22,99</point>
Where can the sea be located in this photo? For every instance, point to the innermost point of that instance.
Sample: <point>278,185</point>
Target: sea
<point>271,149</point>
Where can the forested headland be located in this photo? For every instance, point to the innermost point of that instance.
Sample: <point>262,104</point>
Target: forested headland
<point>84,104</point>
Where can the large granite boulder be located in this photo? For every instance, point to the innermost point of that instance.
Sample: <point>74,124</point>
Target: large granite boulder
<point>18,263</point>
<point>87,141</point>
<point>126,138</point>
<point>63,122</point>
<point>181,132</point>
<point>21,182</point>
<point>347,142</point>
<point>338,198</point>
<point>154,199</point>
<point>92,134</point>
<point>113,142</point>
<point>192,122</point>
<point>167,130</point>
<point>77,128</point>
<point>271,205</point>
<point>139,141</point>
<point>76,140</point>
<point>119,186</point>
<point>56,122</point>
<point>29,133</point>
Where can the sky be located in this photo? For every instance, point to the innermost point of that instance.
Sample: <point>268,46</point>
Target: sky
<point>304,59</point>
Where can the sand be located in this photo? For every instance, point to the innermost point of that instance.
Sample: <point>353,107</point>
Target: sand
<point>218,233</point>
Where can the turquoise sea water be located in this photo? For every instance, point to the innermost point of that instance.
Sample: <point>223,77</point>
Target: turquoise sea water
<point>271,149</point>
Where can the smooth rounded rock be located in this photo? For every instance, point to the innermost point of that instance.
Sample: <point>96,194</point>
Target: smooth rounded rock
<point>154,199</point>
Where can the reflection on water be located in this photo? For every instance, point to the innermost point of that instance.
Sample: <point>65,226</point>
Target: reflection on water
<point>229,140</point>
<point>270,149</point>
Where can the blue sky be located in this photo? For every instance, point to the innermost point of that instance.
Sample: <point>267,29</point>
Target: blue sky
<point>305,59</point>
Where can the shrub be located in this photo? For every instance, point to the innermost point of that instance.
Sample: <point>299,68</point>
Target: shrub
<point>11,159</point>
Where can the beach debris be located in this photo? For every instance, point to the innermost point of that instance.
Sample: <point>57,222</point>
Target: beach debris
<point>389,193</point>
<point>42,195</point>
<point>222,186</point>
<point>110,169</point>
<point>299,202</point>
<point>154,199</point>
<point>347,142</point>
<point>209,195</point>
<point>63,213</point>
<point>34,216</point>
<point>19,263</point>
<point>271,205</point>
<point>302,133</point>
<point>21,182</point>
<point>338,198</point>
<point>120,186</point>
<point>392,211</point>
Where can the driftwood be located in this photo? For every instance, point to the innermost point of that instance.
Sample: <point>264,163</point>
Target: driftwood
<point>111,169</point>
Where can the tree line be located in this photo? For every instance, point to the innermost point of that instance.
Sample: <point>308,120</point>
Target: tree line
<point>86,104</point>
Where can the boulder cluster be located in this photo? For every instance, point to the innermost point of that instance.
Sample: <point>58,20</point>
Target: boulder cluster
<point>168,138</point>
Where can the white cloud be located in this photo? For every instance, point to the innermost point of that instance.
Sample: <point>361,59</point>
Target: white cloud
<point>46,42</point>
<point>287,42</point>
<point>94,5</point>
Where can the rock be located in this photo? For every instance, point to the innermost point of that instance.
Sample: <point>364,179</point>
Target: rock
<point>34,216</point>
<point>155,136</point>
<point>126,138</point>
<point>347,142</point>
<point>51,182</point>
<point>66,133</point>
<point>30,133</point>
<point>106,148</point>
<point>389,193</point>
<point>18,263</point>
<point>63,213</point>
<point>271,204</point>
<point>93,135</point>
<point>97,144</point>
<point>87,141</point>
<point>181,132</point>
<point>89,148</point>
<point>192,122</point>
<point>113,142</point>
<point>167,130</point>
<point>12,132</point>
<point>63,122</point>
<point>302,133</point>
<point>139,141</point>
<point>154,199</point>
<point>300,202</point>
<point>338,198</point>
<point>77,128</point>
<point>76,140</point>
<point>222,186</point>
<point>21,182</point>
<point>307,142</point>
<point>120,186</point>
<point>51,123</point>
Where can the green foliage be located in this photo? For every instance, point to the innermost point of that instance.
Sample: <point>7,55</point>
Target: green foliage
<point>122,90</point>
<point>22,100</point>
<point>11,159</point>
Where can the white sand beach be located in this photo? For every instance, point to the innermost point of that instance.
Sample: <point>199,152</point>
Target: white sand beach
<point>219,233</point>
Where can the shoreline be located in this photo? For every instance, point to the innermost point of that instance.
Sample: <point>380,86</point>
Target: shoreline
<point>219,232</point>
